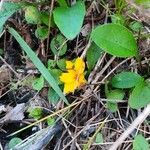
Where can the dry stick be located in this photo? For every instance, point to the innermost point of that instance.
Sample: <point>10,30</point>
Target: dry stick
<point>85,50</point>
<point>130,129</point>
<point>114,69</point>
<point>3,60</point>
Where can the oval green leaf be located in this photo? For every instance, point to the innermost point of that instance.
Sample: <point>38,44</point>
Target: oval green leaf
<point>70,20</point>
<point>125,80</point>
<point>115,39</point>
<point>140,143</point>
<point>114,96</point>
<point>13,142</point>
<point>140,95</point>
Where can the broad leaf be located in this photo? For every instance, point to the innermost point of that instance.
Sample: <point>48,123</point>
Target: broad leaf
<point>99,138</point>
<point>13,142</point>
<point>140,143</point>
<point>41,33</point>
<point>70,20</point>
<point>32,15</point>
<point>140,95</point>
<point>7,10</point>
<point>36,61</point>
<point>58,45</point>
<point>38,83</point>
<point>92,55</point>
<point>125,80</point>
<point>114,95</point>
<point>53,97</point>
<point>115,39</point>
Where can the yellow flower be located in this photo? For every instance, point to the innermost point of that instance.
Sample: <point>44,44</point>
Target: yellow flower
<point>74,77</point>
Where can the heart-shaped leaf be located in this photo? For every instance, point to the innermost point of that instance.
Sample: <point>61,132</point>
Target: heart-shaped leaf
<point>140,95</point>
<point>115,39</point>
<point>70,20</point>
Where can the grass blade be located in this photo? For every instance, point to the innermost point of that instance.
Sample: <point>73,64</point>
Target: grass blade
<point>36,61</point>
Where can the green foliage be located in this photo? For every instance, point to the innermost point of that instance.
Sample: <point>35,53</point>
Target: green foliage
<point>117,18</point>
<point>145,3</point>
<point>53,97</point>
<point>13,142</point>
<point>36,61</point>
<point>1,51</point>
<point>114,95</point>
<point>56,73</point>
<point>125,80</point>
<point>41,33</point>
<point>62,3</point>
<point>32,15</point>
<point>115,39</point>
<point>38,83</point>
<point>140,143</point>
<point>35,113</point>
<point>58,45</point>
<point>51,64</point>
<point>51,121</point>
<point>92,55</point>
<point>61,63</point>
<point>44,16</point>
<point>70,20</point>
<point>135,26</point>
<point>8,10</point>
<point>140,95</point>
<point>99,138</point>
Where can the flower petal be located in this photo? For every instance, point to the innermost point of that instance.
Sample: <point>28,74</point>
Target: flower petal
<point>79,65</point>
<point>68,77</point>
<point>69,87</point>
<point>69,65</point>
<point>81,80</point>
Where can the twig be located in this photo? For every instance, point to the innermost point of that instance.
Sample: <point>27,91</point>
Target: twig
<point>3,60</point>
<point>130,129</point>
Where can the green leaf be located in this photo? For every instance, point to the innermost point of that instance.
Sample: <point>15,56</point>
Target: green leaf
<point>1,51</point>
<point>115,39</point>
<point>36,113</point>
<point>41,33</point>
<point>44,18</point>
<point>99,138</point>
<point>51,121</point>
<point>62,3</point>
<point>125,80</point>
<point>135,26</point>
<point>8,9</point>
<point>53,97</point>
<point>38,83</point>
<point>92,55</point>
<point>36,61</point>
<point>61,63</point>
<point>140,95</point>
<point>117,18</point>
<point>58,45</point>
<point>56,73</point>
<point>13,142</point>
<point>51,64</point>
<point>70,20</point>
<point>145,3</point>
<point>32,15</point>
<point>114,95</point>
<point>140,143</point>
